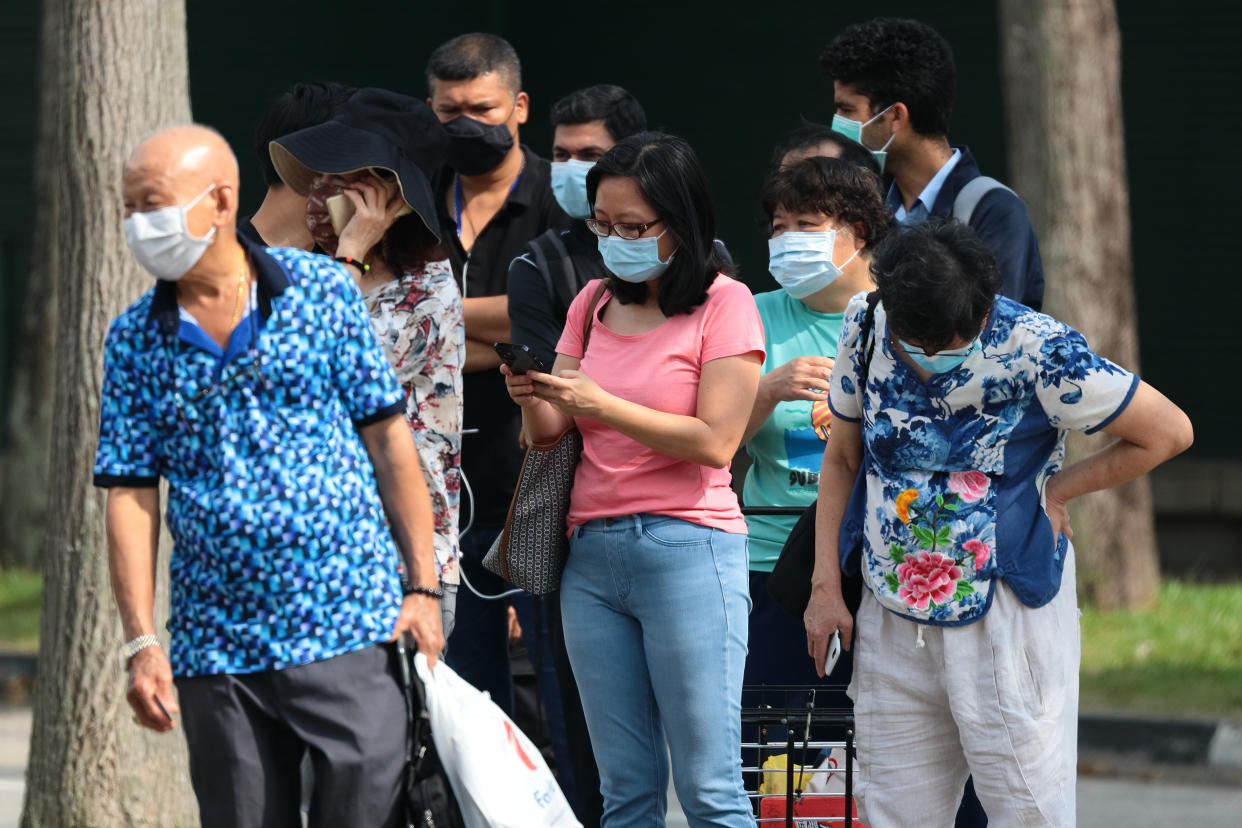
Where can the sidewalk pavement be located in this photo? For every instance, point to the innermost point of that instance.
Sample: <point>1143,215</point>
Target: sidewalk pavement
<point>1114,788</point>
<point>14,747</point>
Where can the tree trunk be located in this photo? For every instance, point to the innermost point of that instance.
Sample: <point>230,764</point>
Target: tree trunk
<point>25,446</point>
<point>113,72</point>
<point>1062,67</point>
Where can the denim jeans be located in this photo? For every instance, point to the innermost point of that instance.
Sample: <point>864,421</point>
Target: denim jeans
<point>654,610</point>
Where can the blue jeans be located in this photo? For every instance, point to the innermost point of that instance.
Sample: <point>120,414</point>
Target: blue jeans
<point>654,610</point>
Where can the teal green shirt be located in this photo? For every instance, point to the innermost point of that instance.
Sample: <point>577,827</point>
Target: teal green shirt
<point>787,450</point>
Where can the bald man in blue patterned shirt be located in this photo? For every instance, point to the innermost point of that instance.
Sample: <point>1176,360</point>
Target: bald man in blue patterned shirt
<point>251,381</point>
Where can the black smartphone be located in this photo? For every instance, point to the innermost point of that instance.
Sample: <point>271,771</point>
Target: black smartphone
<point>519,358</point>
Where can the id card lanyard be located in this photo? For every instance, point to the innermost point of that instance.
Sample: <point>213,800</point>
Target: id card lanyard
<point>457,219</point>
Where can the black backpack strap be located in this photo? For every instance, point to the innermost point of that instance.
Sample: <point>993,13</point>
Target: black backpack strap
<point>540,255</point>
<point>569,274</point>
<point>866,335</point>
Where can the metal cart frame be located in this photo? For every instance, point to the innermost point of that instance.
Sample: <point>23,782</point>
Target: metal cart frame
<point>794,708</point>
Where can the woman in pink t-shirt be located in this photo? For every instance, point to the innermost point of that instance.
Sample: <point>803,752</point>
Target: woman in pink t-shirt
<point>654,597</point>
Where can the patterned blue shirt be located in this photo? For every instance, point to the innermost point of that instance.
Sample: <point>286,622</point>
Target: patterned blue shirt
<point>955,466</point>
<point>282,554</point>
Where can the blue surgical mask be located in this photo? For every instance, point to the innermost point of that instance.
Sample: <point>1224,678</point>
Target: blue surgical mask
<point>569,187</point>
<point>634,260</point>
<point>941,361</point>
<point>802,261</point>
<point>853,129</point>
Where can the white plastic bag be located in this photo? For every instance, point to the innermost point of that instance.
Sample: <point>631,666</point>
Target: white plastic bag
<point>829,776</point>
<point>499,778</point>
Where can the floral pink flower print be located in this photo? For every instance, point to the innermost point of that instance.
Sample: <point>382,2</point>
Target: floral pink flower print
<point>980,550</point>
<point>927,577</point>
<point>969,485</point>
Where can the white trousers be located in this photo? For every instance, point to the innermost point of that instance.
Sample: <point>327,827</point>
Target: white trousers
<point>996,699</point>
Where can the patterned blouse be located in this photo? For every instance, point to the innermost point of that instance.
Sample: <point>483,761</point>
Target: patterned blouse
<point>955,466</point>
<point>419,320</point>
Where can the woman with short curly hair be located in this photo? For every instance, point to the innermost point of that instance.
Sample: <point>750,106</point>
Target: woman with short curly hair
<point>825,217</point>
<point>954,403</point>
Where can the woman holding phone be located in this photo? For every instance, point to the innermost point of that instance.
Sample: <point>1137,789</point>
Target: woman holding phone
<point>654,596</point>
<point>370,207</point>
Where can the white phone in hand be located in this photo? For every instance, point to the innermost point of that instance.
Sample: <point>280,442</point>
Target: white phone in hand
<point>834,652</point>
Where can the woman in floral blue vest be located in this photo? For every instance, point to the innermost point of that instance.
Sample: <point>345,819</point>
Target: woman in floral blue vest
<point>955,402</point>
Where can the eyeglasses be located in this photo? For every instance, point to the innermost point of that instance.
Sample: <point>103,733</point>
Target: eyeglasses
<point>627,231</point>
<point>252,372</point>
<point>251,378</point>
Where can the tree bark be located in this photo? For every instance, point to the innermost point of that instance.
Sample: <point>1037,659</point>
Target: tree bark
<point>112,73</point>
<point>1062,71</point>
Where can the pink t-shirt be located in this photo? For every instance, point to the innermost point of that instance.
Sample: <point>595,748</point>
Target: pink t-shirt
<point>658,369</point>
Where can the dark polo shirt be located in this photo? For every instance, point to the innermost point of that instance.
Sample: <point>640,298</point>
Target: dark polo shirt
<point>491,459</point>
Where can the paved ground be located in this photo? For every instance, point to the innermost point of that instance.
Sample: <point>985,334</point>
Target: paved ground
<point>1142,798</point>
<point>1109,803</point>
<point>14,743</point>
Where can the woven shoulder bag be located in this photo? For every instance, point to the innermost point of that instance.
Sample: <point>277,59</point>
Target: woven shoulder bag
<point>532,550</point>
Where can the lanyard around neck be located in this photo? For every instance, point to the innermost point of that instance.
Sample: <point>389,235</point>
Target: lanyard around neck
<point>457,196</point>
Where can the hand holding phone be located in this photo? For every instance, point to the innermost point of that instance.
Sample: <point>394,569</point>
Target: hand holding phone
<point>519,358</point>
<point>341,209</point>
<point>834,652</point>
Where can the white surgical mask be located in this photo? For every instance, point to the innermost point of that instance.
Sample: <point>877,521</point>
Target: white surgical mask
<point>161,240</point>
<point>569,187</point>
<point>802,261</point>
<point>853,129</point>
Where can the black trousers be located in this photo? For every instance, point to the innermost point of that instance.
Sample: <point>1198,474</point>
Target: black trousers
<point>247,734</point>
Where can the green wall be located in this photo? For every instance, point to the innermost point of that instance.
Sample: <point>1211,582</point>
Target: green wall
<point>733,79</point>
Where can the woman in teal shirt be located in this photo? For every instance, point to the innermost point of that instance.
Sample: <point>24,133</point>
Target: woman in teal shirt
<point>825,217</point>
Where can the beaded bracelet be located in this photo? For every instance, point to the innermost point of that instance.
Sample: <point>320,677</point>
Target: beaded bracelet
<point>350,260</point>
<point>438,594</point>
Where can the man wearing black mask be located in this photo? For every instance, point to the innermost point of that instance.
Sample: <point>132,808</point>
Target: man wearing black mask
<point>493,197</point>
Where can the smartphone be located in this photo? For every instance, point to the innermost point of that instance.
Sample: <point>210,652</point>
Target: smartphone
<point>519,358</point>
<point>834,652</point>
<point>341,209</point>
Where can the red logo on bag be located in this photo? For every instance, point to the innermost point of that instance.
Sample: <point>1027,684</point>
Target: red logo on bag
<point>518,747</point>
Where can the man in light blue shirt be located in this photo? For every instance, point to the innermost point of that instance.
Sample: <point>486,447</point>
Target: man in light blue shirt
<point>893,85</point>
<point>923,203</point>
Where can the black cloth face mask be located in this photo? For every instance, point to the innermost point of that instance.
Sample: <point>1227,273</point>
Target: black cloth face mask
<point>474,147</point>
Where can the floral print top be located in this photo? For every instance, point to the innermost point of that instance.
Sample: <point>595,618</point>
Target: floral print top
<point>418,318</point>
<point>955,467</point>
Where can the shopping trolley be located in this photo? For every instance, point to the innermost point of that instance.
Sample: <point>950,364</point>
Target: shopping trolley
<point>814,792</point>
<point>811,726</point>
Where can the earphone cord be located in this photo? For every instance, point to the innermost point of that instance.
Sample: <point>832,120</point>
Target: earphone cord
<point>461,569</point>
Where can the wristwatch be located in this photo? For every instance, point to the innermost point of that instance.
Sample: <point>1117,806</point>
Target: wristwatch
<point>131,648</point>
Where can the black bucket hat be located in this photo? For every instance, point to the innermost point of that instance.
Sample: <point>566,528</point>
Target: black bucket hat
<point>375,128</point>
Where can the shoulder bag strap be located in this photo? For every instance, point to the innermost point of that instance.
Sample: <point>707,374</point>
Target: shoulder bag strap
<point>589,322</point>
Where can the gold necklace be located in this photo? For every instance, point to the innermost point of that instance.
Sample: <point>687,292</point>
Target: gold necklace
<point>237,303</point>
